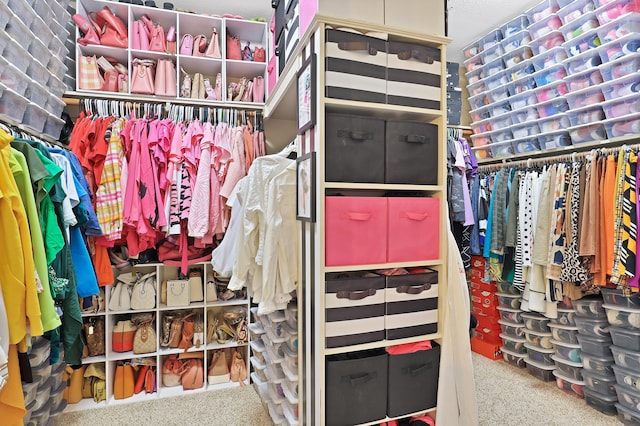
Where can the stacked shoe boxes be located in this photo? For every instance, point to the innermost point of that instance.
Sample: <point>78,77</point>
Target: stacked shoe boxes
<point>454,93</point>
<point>274,344</point>
<point>513,349</point>
<point>539,347</point>
<point>486,339</point>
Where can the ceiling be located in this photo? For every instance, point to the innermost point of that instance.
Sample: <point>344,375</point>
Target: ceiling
<point>468,19</point>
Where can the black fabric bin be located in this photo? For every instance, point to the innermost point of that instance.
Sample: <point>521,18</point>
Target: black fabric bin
<point>356,387</point>
<point>411,155</point>
<point>413,381</point>
<point>355,149</point>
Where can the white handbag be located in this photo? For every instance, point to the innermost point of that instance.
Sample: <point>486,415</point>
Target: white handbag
<point>212,293</point>
<point>195,287</point>
<point>178,293</point>
<point>120,296</point>
<point>143,295</point>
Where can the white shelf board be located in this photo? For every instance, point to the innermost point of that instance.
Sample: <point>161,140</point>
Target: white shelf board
<point>249,69</point>
<point>92,359</point>
<point>140,397</point>
<point>147,54</point>
<point>385,111</point>
<point>208,66</point>
<point>381,344</point>
<point>122,55</point>
<point>383,266</point>
<point>84,404</point>
<point>382,186</point>
<point>387,419</point>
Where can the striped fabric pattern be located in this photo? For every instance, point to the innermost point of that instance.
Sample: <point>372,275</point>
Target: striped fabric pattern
<point>109,193</point>
<point>413,75</point>
<point>629,231</point>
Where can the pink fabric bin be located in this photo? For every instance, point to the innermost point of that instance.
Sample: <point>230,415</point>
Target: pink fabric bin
<point>272,71</point>
<point>356,230</point>
<point>414,230</point>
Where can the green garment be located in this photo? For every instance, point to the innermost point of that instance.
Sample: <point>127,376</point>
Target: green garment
<point>21,174</point>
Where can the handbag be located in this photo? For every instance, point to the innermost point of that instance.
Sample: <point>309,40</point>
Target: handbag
<point>171,40</point>
<point>234,50</point>
<point>94,335</point>
<point>188,330</point>
<point>140,36</point>
<point>193,377</point>
<point>94,383</point>
<point>89,77</point>
<point>199,45</point>
<point>110,28</point>
<point>142,80</point>
<point>177,293</point>
<point>140,379</point>
<point>165,83</point>
<point>145,340</point>
<point>186,45</point>
<point>75,380</point>
<point>150,380</point>
<point>175,332</point>
<point>172,371</point>
<point>143,294</point>
<point>259,55</point>
<point>219,370</point>
<point>195,287</point>
<point>213,50</point>
<point>210,291</point>
<point>158,41</point>
<point>120,297</point>
<point>97,303</point>
<point>123,381</point>
<point>111,81</point>
<point>238,371</point>
<point>247,54</point>
<point>122,336</point>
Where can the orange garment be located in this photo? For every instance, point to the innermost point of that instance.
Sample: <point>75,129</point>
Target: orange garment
<point>248,147</point>
<point>12,408</point>
<point>102,265</point>
<point>609,194</point>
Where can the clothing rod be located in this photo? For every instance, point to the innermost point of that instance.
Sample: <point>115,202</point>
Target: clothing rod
<point>561,154</point>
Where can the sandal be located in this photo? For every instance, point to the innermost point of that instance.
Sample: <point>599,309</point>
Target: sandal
<point>185,90</point>
<point>198,332</point>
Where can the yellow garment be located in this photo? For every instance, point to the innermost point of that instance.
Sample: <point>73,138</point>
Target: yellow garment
<point>12,408</point>
<point>17,268</point>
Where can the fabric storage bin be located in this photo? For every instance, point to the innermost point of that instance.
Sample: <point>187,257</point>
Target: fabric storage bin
<point>492,68</point>
<point>514,344</point>
<point>620,88</point>
<point>411,153</point>
<point>579,26</point>
<point>355,308</point>
<point>595,326</point>
<point>553,140</point>
<point>595,345</point>
<point>522,100</point>
<point>516,41</point>
<point>542,10</point>
<point>515,26</point>
<point>552,107</point>
<point>583,43</point>
<point>564,333</point>
<point>628,379</point>
<point>413,381</point>
<point>413,231</point>
<point>510,315</point>
<point>524,114</point>
<point>612,10</point>
<point>582,62</point>
<point>627,125</point>
<point>583,80</point>
<point>623,317</point>
<point>550,75</point>
<point>514,358</point>
<point>570,386</point>
<point>540,355</point>
<point>623,67</point>
<point>586,115</point>
<point>538,338</point>
<point>356,230</point>
<point>604,403</point>
<point>602,384</point>
<point>547,42</point>
<point>617,298</point>
<point>12,105</point>
<point>536,322</point>
<point>575,10</point>
<point>292,28</point>
<point>585,97</point>
<point>529,128</point>
<point>627,397</point>
<point>612,50</point>
<point>554,123</point>
<point>599,364</point>
<point>551,91</point>
<point>355,149</point>
<point>548,59</point>
<point>621,27</point>
<point>625,338</point>
<point>516,56</point>
<point>502,135</point>
<point>621,107</point>
<point>521,85</point>
<point>567,351</point>
<point>589,308</point>
<point>413,75</point>
<point>540,371</point>
<point>628,416</point>
<point>521,70</point>
<point>570,369</point>
<point>509,300</point>
<point>543,27</point>
<point>356,387</point>
<point>411,304</point>
<point>355,67</point>
<point>512,329</point>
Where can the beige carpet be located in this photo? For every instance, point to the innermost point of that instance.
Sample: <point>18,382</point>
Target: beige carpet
<point>506,396</point>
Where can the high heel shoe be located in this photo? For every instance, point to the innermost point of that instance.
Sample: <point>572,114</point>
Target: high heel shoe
<point>211,95</point>
<point>197,89</point>
<point>231,91</point>
<point>218,88</point>
<point>90,35</point>
<point>248,92</point>
<point>185,89</point>
<point>241,88</point>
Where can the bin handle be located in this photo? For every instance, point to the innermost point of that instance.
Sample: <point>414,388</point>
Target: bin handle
<point>416,139</point>
<point>359,216</point>
<point>358,45</point>
<point>356,136</point>
<point>360,379</point>
<point>356,295</point>
<point>415,54</point>
<point>414,370</point>
<point>413,289</point>
<point>417,215</point>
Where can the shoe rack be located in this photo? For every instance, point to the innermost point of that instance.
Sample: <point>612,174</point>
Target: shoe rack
<point>396,101</point>
<point>111,357</point>
<point>231,71</point>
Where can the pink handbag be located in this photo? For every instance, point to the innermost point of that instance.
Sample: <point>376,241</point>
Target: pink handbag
<point>111,80</point>
<point>234,51</point>
<point>112,31</point>
<point>199,45</point>
<point>89,77</point>
<point>135,35</point>
<point>186,45</point>
<point>142,79</point>
<point>165,83</point>
<point>213,51</point>
<point>140,40</point>
<point>158,42</point>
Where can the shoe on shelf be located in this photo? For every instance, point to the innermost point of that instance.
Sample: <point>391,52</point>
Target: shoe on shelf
<point>185,89</point>
<point>211,94</point>
<point>167,6</point>
<point>242,86</point>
